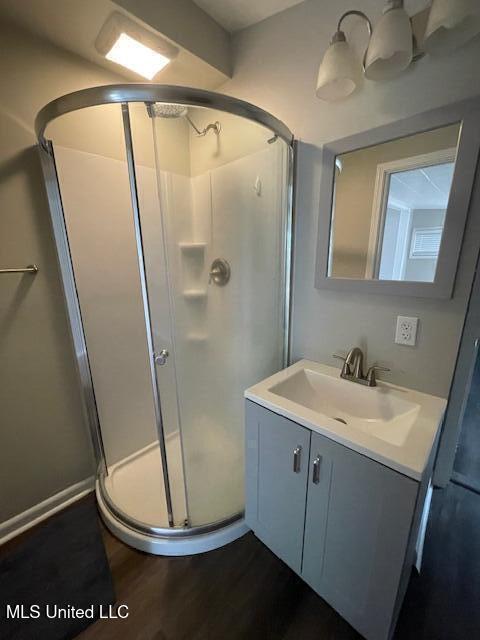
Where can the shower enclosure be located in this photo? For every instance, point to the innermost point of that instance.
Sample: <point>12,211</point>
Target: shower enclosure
<point>171,211</point>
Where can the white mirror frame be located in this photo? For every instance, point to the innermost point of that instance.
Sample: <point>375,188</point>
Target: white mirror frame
<point>467,113</point>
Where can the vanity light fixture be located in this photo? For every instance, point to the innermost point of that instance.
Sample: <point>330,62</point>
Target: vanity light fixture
<point>392,46</point>
<point>390,50</point>
<point>125,42</point>
<point>340,72</point>
<point>451,24</point>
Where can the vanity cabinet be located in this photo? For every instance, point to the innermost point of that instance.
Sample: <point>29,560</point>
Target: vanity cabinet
<point>277,503</point>
<point>340,520</point>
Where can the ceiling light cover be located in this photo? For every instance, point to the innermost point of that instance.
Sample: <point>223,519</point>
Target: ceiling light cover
<point>136,56</point>
<point>391,46</point>
<point>127,43</point>
<point>451,24</point>
<point>340,72</point>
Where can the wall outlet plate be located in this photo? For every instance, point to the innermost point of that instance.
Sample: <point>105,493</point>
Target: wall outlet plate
<point>406,332</point>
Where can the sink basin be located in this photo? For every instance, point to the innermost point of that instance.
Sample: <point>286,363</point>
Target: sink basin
<point>391,424</point>
<point>375,410</point>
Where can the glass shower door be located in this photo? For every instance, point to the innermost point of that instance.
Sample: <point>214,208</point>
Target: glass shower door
<point>220,225</point>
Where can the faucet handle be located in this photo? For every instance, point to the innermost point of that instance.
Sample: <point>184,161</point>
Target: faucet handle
<point>371,378</point>
<point>377,367</point>
<point>338,357</point>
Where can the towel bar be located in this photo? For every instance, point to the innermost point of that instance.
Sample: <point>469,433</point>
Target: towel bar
<point>32,268</point>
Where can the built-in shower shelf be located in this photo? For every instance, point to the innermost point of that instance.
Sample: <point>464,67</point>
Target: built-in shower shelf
<point>195,294</point>
<point>197,337</point>
<point>192,247</point>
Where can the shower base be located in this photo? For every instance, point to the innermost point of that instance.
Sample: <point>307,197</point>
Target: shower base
<point>135,484</point>
<point>133,506</point>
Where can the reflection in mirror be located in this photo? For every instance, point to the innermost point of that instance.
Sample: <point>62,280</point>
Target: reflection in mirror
<point>389,207</point>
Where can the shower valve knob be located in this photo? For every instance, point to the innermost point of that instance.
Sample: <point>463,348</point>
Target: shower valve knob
<point>161,357</point>
<point>219,272</point>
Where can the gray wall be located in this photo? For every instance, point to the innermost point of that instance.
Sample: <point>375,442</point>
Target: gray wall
<point>44,446</point>
<point>276,64</point>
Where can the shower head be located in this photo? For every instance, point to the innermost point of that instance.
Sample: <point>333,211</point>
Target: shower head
<point>168,110</point>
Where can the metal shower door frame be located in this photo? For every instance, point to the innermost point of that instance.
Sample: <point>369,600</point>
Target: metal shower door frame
<point>122,95</point>
<point>64,257</point>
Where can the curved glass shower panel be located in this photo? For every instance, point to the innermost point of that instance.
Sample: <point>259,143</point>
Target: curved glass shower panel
<point>95,188</point>
<point>177,225</point>
<point>222,205</point>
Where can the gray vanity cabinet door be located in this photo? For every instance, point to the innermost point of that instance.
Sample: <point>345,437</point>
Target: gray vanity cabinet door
<point>316,518</point>
<point>277,468</point>
<point>354,558</point>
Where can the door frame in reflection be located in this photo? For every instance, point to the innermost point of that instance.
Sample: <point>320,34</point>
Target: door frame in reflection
<point>381,198</point>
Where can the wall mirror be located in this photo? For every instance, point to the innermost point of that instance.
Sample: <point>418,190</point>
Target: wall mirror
<point>394,203</point>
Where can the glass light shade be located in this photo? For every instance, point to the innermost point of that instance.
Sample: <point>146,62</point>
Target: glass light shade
<point>340,72</point>
<point>451,23</point>
<point>391,46</point>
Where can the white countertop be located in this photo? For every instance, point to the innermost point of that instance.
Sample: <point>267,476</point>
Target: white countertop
<point>408,454</point>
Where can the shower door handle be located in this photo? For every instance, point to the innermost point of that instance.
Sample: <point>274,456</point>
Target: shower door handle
<point>161,357</point>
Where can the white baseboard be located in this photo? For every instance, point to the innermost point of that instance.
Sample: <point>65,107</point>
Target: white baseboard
<point>43,510</point>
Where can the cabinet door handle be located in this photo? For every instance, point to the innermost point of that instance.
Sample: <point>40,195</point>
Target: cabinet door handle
<point>316,470</point>
<point>297,455</point>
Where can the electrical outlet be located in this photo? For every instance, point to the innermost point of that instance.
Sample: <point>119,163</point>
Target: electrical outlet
<point>406,332</point>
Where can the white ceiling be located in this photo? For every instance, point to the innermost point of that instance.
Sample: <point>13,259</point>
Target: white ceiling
<point>425,188</point>
<point>234,15</point>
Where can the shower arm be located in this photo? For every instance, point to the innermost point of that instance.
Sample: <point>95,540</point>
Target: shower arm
<point>200,133</point>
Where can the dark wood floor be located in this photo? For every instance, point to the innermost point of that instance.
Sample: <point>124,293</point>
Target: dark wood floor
<point>244,592</point>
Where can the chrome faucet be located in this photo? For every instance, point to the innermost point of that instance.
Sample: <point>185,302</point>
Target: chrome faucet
<point>352,369</point>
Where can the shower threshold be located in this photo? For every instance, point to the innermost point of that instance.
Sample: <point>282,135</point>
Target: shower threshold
<point>134,509</point>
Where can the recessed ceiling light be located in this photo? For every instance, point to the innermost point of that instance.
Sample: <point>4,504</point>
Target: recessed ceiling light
<point>136,56</point>
<point>125,42</point>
